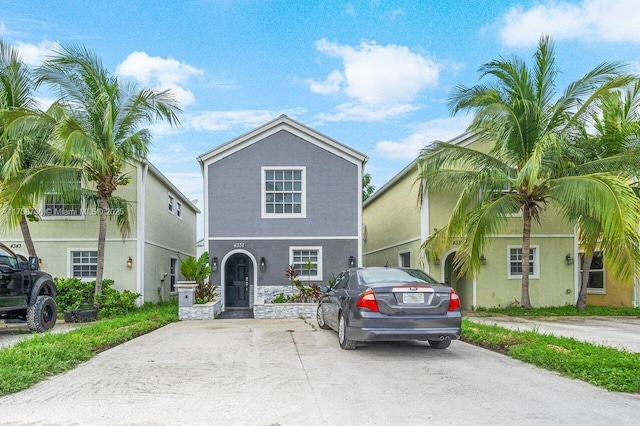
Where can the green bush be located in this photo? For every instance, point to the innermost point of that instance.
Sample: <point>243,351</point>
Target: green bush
<point>76,294</point>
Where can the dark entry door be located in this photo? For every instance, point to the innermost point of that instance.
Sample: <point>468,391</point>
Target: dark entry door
<point>238,285</point>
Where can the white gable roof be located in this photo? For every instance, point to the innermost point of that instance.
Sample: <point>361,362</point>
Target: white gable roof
<point>282,123</point>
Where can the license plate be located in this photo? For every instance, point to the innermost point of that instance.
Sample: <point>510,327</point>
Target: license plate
<point>412,297</point>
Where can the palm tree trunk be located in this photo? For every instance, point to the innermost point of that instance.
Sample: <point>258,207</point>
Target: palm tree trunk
<point>102,236</point>
<point>26,236</point>
<point>526,249</point>
<point>581,304</point>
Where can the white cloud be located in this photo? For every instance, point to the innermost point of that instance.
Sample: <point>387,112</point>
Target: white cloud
<point>441,129</point>
<point>359,112</point>
<point>350,10</point>
<point>375,75</point>
<point>33,54</point>
<point>608,20</point>
<point>160,73</point>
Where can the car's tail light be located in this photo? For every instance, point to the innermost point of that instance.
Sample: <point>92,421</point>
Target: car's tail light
<point>368,301</point>
<point>454,301</point>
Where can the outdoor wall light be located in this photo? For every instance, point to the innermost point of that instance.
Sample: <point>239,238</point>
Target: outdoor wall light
<point>263,264</point>
<point>129,262</point>
<point>569,259</point>
<point>214,264</point>
<point>352,262</point>
<point>483,260</point>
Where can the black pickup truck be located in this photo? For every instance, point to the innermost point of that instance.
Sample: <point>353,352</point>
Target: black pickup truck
<point>25,292</point>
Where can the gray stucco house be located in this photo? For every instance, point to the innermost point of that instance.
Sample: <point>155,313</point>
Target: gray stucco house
<point>279,195</point>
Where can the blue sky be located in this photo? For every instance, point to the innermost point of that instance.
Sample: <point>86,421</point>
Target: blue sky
<point>374,75</point>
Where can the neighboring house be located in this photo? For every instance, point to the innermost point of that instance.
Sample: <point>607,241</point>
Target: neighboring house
<point>395,227</point>
<point>282,194</point>
<point>163,229</point>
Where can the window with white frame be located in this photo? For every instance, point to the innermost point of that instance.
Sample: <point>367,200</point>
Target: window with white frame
<point>283,192</point>
<point>307,261</point>
<point>179,209</point>
<point>596,283</point>
<point>170,202</point>
<point>56,205</point>
<point>404,259</point>
<point>515,262</point>
<point>84,264</point>
<point>172,274</point>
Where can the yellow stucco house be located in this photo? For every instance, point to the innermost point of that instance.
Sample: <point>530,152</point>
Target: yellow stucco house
<point>395,226</point>
<point>163,229</point>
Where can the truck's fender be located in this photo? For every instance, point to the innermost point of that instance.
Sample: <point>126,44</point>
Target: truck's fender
<point>43,285</point>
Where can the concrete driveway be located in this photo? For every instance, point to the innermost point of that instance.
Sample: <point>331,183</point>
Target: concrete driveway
<point>285,372</point>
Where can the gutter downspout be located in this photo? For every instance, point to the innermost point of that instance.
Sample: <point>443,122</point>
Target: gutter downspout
<point>141,210</point>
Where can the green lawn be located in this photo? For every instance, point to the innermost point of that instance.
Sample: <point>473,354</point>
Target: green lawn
<point>557,311</point>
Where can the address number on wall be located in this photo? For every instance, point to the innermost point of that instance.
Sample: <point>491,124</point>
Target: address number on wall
<point>238,245</point>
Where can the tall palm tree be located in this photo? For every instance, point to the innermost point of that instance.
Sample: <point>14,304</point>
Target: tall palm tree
<point>531,127</point>
<point>17,152</point>
<point>103,126</point>
<point>613,135</point>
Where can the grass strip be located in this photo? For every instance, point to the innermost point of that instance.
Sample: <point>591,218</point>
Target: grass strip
<point>31,361</point>
<point>606,367</point>
<point>558,311</point>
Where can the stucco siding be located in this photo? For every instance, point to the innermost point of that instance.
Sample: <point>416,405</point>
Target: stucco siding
<point>234,191</point>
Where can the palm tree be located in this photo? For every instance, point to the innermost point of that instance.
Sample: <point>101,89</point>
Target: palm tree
<point>17,152</point>
<point>102,129</point>
<point>613,138</point>
<point>531,127</point>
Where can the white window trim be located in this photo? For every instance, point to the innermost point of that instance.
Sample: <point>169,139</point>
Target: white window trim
<point>178,205</point>
<point>536,263</point>
<point>81,216</point>
<point>400,257</point>
<point>176,272</point>
<point>313,277</point>
<point>263,194</point>
<point>173,207</point>
<point>70,262</point>
<point>602,290</point>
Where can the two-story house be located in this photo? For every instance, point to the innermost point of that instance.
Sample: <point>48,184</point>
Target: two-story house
<point>396,226</point>
<point>163,230</point>
<point>282,194</point>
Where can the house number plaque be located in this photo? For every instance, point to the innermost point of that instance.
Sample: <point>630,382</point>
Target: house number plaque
<point>238,245</point>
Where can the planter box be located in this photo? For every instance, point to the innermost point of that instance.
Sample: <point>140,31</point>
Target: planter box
<point>285,310</point>
<point>81,315</point>
<point>207,311</point>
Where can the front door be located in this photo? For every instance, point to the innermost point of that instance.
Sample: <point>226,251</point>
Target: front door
<point>238,285</point>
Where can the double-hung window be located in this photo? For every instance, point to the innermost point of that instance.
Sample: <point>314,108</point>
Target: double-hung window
<point>170,203</point>
<point>57,205</point>
<point>84,264</point>
<point>515,262</point>
<point>307,261</point>
<point>596,273</point>
<point>284,192</point>
<point>173,262</point>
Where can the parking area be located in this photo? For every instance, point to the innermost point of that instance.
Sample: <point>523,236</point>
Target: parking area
<point>286,372</point>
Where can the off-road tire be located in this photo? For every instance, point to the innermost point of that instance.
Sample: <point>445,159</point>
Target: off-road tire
<point>41,316</point>
<point>440,344</point>
<point>320,318</point>
<point>343,337</point>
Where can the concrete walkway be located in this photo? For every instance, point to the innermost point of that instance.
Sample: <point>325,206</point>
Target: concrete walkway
<point>617,332</point>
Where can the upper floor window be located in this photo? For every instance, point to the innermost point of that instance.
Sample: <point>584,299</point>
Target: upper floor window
<point>57,205</point>
<point>515,262</point>
<point>596,273</point>
<point>283,192</point>
<point>170,201</point>
<point>179,209</point>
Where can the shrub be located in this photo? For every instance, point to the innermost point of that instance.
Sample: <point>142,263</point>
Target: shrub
<point>76,294</point>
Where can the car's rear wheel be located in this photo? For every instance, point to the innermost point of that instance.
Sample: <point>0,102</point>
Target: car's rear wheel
<point>320,317</point>
<point>41,316</point>
<point>343,337</point>
<point>440,344</point>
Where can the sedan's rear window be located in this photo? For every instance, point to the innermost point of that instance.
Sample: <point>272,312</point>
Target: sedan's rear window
<point>374,276</point>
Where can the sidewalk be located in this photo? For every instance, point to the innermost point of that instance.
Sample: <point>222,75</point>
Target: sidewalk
<point>617,332</point>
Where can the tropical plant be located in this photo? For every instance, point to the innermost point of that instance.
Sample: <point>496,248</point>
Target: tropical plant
<point>102,128</point>
<point>198,270</point>
<point>530,129</point>
<point>367,187</point>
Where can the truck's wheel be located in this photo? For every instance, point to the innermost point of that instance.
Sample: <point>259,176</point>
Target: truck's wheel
<point>41,316</point>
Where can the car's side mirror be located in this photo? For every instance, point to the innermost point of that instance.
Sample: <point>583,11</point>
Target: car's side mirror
<point>34,263</point>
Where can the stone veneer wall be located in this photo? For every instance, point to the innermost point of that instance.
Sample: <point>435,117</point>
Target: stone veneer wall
<point>268,293</point>
<point>207,311</point>
<point>285,310</point>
